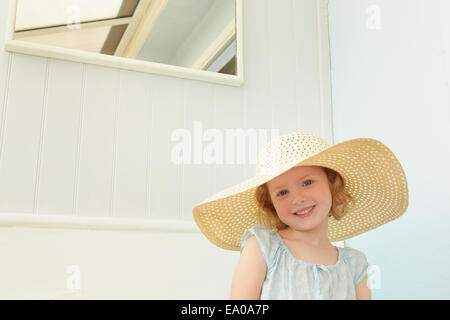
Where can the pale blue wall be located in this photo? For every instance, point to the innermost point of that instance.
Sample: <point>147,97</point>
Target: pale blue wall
<point>392,84</point>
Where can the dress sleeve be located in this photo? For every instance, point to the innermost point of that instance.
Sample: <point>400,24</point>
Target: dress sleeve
<point>265,238</point>
<point>359,265</point>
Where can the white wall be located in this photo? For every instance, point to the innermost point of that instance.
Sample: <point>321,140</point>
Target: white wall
<point>112,265</point>
<point>392,84</point>
<point>86,141</point>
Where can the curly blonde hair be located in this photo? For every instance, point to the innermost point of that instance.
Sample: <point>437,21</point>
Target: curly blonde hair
<point>340,200</point>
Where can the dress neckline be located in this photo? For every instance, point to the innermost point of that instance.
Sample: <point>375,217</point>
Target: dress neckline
<point>283,245</point>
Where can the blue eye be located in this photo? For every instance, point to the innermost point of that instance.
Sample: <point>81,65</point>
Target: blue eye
<point>307,181</point>
<point>279,193</point>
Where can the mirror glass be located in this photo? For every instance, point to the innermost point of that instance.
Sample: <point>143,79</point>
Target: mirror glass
<point>196,34</point>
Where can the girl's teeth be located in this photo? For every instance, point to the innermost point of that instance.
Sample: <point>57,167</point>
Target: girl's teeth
<point>305,211</point>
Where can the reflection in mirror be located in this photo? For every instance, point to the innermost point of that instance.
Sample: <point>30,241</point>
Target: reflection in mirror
<point>197,34</point>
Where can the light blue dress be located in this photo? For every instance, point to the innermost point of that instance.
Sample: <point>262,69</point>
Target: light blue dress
<point>289,278</point>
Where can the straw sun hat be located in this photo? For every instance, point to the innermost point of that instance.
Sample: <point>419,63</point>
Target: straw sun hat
<point>372,175</point>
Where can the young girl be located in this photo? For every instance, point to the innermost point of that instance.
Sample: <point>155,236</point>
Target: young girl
<point>304,195</point>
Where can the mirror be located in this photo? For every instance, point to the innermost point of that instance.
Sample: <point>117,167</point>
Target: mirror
<point>196,39</point>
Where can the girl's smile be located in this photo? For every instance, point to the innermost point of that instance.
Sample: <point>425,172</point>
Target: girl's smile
<point>304,213</point>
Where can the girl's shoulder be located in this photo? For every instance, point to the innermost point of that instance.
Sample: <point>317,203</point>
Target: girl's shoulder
<point>352,255</point>
<point>264,235</point>
<point>357,263</point>
<point>267,241</point>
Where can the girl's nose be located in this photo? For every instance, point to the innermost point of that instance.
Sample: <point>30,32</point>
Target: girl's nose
<point>299,198</point>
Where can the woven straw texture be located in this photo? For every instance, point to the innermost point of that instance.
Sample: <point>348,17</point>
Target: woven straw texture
<point>372,174</point>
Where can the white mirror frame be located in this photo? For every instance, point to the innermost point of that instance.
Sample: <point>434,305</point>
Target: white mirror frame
<point>12,45</point>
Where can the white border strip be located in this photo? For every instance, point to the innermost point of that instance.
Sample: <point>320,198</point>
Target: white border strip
<point>95,223</point>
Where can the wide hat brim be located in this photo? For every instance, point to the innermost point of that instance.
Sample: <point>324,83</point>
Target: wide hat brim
<point>372,174</point>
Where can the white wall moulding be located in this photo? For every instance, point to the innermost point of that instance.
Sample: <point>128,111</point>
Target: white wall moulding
<point>16,43</point>
<point>95,223</point>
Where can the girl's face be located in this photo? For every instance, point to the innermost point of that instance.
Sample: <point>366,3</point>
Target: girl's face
<point>299,188</point>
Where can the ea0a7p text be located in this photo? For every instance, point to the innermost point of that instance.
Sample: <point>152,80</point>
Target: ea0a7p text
<point>246,309</point>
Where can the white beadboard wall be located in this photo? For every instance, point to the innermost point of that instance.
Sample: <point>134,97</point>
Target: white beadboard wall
<point>85,172</point>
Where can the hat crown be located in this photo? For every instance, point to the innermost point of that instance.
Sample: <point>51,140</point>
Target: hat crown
<point>287,150</point>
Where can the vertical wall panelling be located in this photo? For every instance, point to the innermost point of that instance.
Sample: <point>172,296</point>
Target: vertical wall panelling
<point>21,134</point>
<point>307,67</point>
<point>198,106</point>
<point>257,109</point>
<point>79,139</point>
<point>60,139</point>
<point>131,165</point>
<point>256,65</point>
<point>324,71</point>
<point>149,149</point>
<point>247,168</point>
<point>5,73</point>
<point>296,61</point>
<point>114,151</point>
<point>5,76</point>
<point>228,109</point>
<point>165,184</point>
<point>97,141</point>
<point>41,135</point>
<point>282,65</point>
